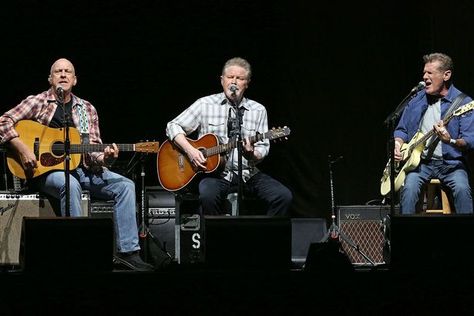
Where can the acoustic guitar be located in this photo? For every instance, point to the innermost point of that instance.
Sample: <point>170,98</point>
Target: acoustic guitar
<point>175,171</point>
<point>48,146</point>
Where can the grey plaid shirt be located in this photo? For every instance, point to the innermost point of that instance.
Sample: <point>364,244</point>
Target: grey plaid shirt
<point>210,115</point>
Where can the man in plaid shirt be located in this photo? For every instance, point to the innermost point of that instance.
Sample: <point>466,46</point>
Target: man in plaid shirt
<point>92,174</point>
<point>217,114</point>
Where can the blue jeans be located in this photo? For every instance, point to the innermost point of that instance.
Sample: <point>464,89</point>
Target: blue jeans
<point>107,185</point>
<point>276,197</point>
<point>454,177</point>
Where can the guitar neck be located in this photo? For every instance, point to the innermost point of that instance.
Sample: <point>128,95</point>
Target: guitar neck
<point>85,148</point>
<point>219,149</point>
<point>425,137</point>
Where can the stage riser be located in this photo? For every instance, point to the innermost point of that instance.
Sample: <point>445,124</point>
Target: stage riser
<point>442,243</point>
<point>73,245</point>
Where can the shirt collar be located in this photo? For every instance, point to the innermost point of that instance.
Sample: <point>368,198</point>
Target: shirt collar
<point>243,103</point>
<point>52,98</point>
<point>452,94</point>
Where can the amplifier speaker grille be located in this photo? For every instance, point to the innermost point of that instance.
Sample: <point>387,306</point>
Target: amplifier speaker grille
<point>364,226</point>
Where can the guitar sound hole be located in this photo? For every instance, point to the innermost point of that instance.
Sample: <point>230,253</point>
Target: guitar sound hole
<point>55,157</point>
<point>58,149</point>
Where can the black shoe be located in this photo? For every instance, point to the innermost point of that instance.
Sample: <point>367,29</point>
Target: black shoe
<point>133,261</point>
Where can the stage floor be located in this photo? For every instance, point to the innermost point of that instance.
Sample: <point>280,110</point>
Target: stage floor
<point>196,291</point>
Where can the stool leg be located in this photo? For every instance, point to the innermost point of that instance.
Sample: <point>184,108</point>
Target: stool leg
<point>445,202</point>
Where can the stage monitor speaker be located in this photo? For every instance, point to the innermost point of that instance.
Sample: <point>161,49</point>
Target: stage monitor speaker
<point>247,242</point>
<point>363,225</point>
<point>72,244</point>
<point>15,206</point>
<point>305,231</point>
<point>432,243</point>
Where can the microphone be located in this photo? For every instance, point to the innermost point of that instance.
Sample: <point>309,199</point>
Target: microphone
<point>420,86</point>
<point>233,88</point>
<point>60,93</point>
<point>331,160</point>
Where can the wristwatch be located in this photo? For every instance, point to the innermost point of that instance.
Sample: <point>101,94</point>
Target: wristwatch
<point>452,141</point>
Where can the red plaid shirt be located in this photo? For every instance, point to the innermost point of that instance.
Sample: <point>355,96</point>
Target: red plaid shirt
<point>41,108</point>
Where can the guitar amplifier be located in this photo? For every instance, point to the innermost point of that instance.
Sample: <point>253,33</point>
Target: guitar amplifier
<point>364,227</point>
<point>161,222</point>
<point>15,206</point>
<point>161,203</point>
<point>102,208</point>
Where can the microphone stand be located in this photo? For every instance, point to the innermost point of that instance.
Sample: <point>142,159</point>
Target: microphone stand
<point>390,123</point>
<point>239,115</point>
<point>67,151</point>
<point>4,166</point>
<point>334,234</point>
<point>144,230</point>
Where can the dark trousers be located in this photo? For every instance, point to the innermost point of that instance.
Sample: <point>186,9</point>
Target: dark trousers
<point>274,195</point>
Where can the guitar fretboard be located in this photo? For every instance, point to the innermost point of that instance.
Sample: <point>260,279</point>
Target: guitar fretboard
<point>272,134</point>
<point>85,148</point>
<point>466,107</point>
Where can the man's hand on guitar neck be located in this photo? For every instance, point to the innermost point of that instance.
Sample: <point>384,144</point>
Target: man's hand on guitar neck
<point>111,154</point>
<point>26,156</point>
<point>442,132</point>
<point>249,151</point>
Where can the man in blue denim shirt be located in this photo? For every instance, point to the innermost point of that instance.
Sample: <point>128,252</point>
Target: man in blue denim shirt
<point>445,158</point>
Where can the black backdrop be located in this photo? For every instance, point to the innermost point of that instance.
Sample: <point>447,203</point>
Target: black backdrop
<point>330,71</point>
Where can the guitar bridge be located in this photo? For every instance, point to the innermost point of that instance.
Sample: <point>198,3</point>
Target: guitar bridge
<point>181,162</point>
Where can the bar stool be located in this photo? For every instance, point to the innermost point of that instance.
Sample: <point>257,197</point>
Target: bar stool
<point>435,189</point>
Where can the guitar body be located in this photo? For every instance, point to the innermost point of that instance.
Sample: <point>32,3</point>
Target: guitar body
<point>175,170</point>
<point>41,137</point>
<point>411,159</point>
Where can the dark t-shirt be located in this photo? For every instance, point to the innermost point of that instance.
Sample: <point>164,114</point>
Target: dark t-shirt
<point>58,117</point>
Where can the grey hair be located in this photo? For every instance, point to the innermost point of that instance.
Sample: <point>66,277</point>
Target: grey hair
<point>446,63</point>
<point>238,61</point>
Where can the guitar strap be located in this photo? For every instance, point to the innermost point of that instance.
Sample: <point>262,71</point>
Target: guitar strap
<point>457,101</point>
<point>83,122</point>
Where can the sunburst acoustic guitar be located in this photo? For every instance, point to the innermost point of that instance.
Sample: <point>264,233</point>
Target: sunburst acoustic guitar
<point>175,171</point>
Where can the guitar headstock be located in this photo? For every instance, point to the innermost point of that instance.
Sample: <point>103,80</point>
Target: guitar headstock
<point>278,133</point>
<point>463,109</point>
<point>147,147</point>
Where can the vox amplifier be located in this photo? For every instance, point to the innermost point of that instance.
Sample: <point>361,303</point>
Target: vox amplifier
<point>364,226</point>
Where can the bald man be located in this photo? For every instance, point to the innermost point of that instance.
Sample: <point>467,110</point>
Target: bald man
<point>54,108</point>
